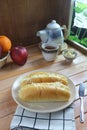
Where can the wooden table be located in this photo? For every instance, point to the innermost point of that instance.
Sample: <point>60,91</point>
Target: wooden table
<point>76,71</point>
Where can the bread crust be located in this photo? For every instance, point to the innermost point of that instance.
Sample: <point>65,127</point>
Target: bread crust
<point>45,92</point>
<point>44,77</point>
<point>44,86</point>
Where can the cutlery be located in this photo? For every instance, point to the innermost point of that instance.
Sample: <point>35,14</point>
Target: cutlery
<point>81,96</point>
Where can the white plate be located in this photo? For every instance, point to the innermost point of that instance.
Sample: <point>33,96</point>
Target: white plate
<point>42,107</point>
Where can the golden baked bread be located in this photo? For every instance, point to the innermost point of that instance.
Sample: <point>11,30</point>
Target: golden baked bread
<point>55,91</point>
<point>44,77</point>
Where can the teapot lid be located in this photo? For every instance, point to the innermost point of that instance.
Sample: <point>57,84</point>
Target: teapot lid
<point>53,25</point>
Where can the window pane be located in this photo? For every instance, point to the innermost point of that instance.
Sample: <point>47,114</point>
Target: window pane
<point>78,31</point>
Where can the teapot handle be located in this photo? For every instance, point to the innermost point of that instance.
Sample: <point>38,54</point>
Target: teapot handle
<point>65,31</point>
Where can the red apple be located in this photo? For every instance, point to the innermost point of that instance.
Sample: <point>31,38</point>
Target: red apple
<point>0,51</point>
<point>19,55</point>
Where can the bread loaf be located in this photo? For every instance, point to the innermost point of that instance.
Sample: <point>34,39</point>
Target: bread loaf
<point>44,77</point>
<point>45,92</point>
<point>44,86</point>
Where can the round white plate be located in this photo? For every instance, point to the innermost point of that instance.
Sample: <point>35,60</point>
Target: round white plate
<point>40,107</point>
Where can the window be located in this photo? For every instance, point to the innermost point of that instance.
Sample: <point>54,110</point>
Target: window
<point>78,29</point>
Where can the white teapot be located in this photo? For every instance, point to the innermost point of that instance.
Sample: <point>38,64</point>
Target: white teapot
<point>52,34</point>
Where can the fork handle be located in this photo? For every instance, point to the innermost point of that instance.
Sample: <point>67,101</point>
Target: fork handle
<point>81,110</point>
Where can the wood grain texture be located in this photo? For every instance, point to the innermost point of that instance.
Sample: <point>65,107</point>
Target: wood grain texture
<point>21,19</point>
<point>76,71</point>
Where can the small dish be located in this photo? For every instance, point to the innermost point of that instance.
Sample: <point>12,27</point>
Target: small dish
<point>69,54</point>
<point>3,60</point>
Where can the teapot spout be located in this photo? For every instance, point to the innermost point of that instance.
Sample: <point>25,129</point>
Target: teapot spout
<point>43,35</point>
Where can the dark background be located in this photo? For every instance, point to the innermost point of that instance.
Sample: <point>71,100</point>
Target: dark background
<point>21,19</point>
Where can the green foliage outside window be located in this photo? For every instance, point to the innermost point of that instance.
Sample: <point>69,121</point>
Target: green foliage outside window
<point>78,31</point>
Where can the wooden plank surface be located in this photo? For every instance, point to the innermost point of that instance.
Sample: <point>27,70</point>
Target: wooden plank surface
<point>76,71</point>
<point>20,20</point>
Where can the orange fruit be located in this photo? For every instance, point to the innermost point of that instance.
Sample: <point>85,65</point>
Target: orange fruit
<point>6,44</point>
